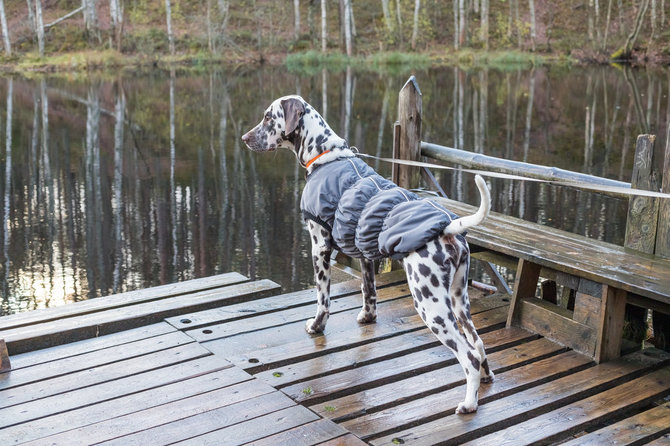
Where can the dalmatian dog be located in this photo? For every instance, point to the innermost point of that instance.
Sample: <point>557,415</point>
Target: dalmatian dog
<point>341,203</point>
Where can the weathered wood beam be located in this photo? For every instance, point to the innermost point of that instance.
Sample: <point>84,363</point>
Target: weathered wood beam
<point>409,118</point>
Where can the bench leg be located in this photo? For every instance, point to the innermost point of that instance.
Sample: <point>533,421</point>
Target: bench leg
<point>610,328</point>
<point>5,365</point>
<point>661,323</point>
<point>525,285</point>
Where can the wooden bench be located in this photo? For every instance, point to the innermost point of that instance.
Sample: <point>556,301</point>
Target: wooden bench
<point>604,276</point>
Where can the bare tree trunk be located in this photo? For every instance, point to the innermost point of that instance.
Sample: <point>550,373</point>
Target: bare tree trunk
<point>324,30</point>
<point>653,19</point>
<point>590,20</point>
<point>347,27</point>
<point>5,30</point>
<point>399,18</point>
<point>484,30</point>
<point>31,15</point>
<point>607,23</point>
<point>39,27</point>
<point>296,15</point>
<point>597,20</point>
<point>116,14</point>
<point>461,23</point>
<point>168,18</point>
<point>210,41</point>
<point>91,18</point>
<point>625,51</point>
<point>457,33</point>
<point>415,29</point>
<point>533,34</point>
<point>387,17</point>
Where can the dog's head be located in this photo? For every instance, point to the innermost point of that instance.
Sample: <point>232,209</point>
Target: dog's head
<point>291,123</point>
<point>280,126</point>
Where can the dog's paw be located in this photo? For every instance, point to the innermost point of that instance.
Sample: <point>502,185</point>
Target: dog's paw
<point>464,408</point>
<point>365,317</point>
<point>488,379</point>
<point>312,328</point>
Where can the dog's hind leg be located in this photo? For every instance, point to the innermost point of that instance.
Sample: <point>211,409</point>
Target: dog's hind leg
<point>369,311</point>
<point>430,274</point>
<point>321,251</point>
<point>461,303</point>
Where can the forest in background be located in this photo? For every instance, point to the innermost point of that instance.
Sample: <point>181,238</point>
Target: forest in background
<point>70,34</point>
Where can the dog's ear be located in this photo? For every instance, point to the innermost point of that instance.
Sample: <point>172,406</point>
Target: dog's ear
<point>293,110</point>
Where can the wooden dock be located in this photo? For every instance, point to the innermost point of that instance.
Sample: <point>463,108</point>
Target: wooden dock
<point>227,361</point>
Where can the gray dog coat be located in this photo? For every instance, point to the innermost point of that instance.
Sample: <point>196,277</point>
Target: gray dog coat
<point>368,215</point>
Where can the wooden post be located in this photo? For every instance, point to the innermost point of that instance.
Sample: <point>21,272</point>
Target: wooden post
<point>612,307</point>
<point>643,211</point>
<point>663,227</point>
<point>642,221</point>
<point>5,365</point>
<point>525,285</point>
<point>409,140</point>
<point>661,321</point>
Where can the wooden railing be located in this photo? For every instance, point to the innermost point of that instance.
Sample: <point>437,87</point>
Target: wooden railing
<point>602,290</point>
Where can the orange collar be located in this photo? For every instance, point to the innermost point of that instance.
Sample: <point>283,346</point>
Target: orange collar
<point>315,158</point>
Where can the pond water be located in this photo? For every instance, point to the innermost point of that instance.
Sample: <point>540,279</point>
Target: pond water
<point>115,184</point>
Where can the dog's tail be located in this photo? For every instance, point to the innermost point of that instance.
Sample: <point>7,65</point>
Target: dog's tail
<point>462,224</point>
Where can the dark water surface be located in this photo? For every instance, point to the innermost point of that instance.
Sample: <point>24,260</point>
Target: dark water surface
<point>109,185</point>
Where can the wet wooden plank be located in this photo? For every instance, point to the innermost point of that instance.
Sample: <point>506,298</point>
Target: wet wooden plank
<point>346,440</point>
<point>35,357</point>
<point>82,397</point>
<point>282,338</point>
<point>520,406</point>
<point>113,357</point>
<point>570,419</point>
<point>95,375</point>
<point>339,361</point>
<point>442,405</point>
<point>186,321</point>
<point>637,429</point>
<point>302,313</point>
<point>398,391</point>
<point>254,429</point>
<point>305,435</point>
<point>115,407</point>
<point>355,380</point>
<point>120,300</point>
<point>344,335</point>
<point>162,424</point>
<point>570,253</point>
<point>76,328</point>
<point>664,440</point>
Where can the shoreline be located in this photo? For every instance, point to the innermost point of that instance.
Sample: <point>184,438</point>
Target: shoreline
<point>104,61</point>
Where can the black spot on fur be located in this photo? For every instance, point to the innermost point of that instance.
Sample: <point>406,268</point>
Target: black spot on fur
<point>424,270</point>
<point>438,320</point>
<point>435,330</point>
<point>474,361</point>
<point>426,292</point>
<point>434,280</point>
<point>452,344</point>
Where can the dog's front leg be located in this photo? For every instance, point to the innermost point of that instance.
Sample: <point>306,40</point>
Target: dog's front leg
<point>321,250</point>
<point>369,311</point>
